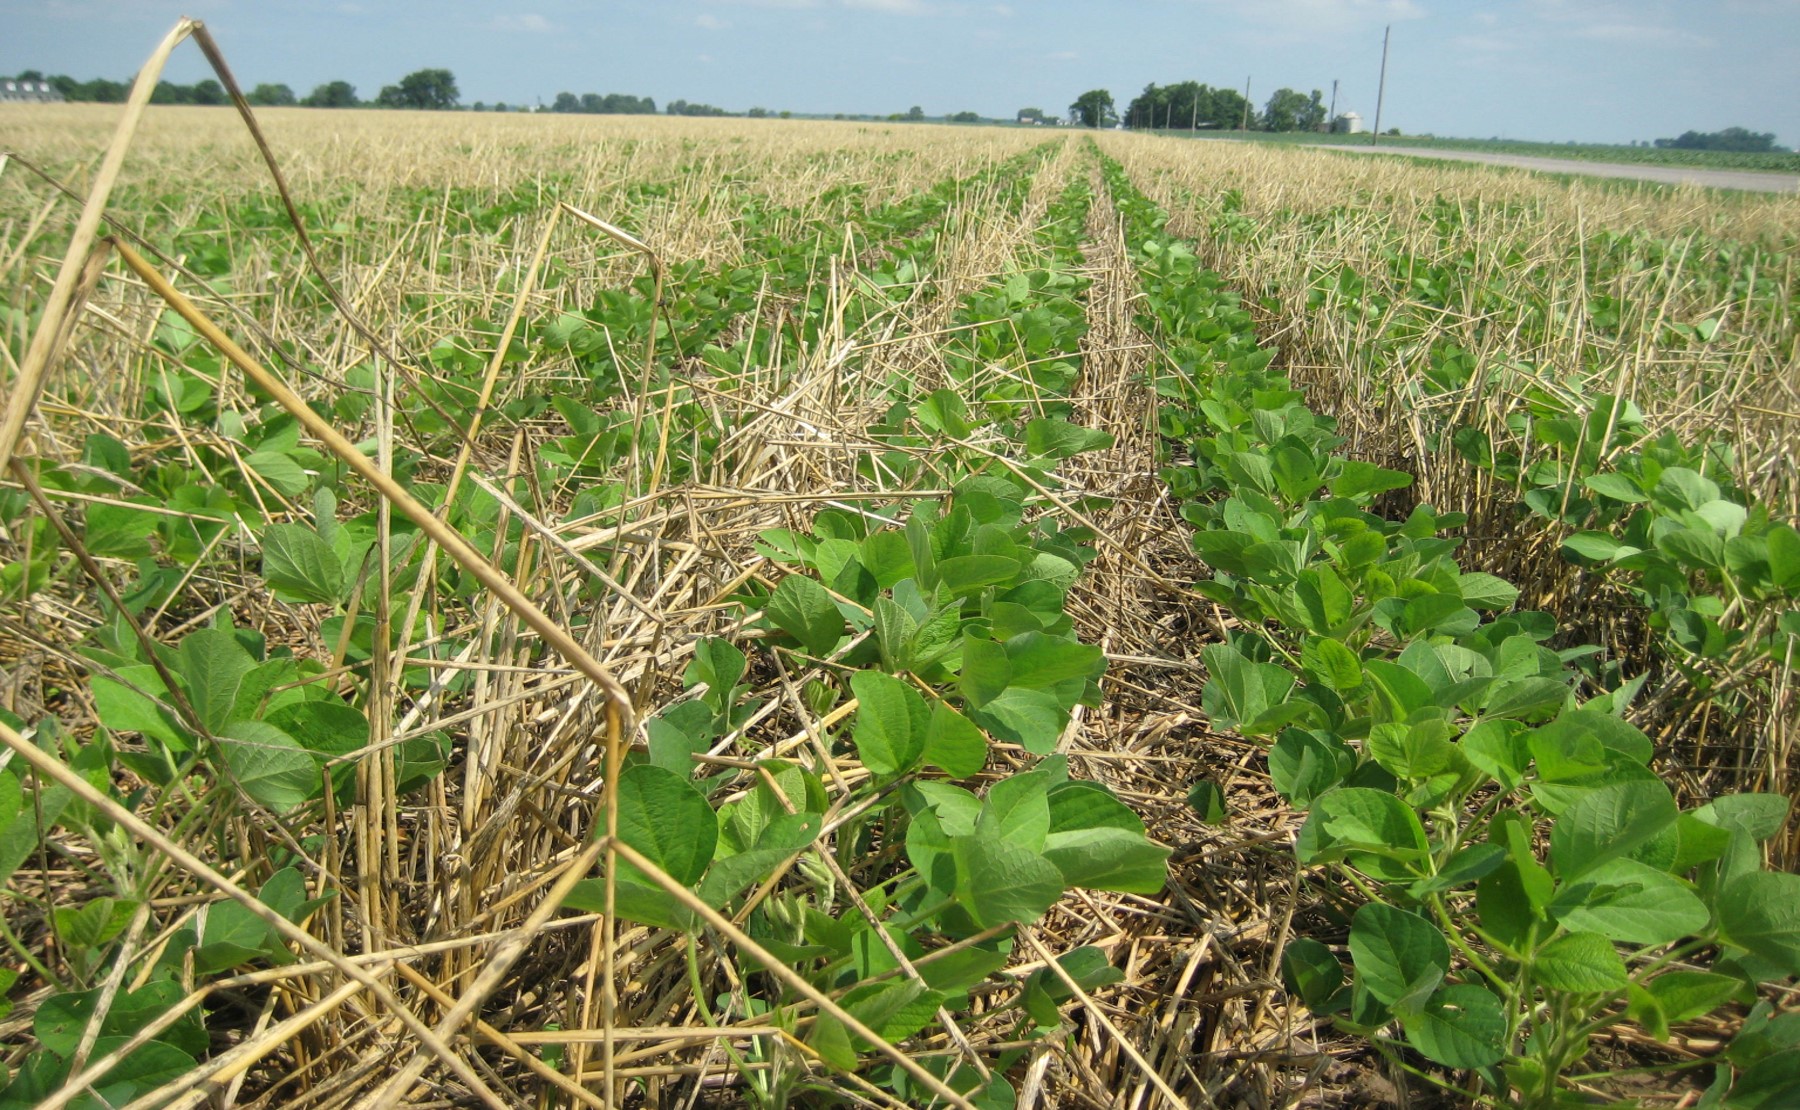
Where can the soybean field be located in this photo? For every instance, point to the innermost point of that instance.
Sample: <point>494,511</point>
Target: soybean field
<point>527,610</point>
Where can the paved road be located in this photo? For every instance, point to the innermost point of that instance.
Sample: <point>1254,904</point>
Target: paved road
<point>1752,180</point>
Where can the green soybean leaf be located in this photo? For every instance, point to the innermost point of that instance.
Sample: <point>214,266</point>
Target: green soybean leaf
<point>892,721</point>
<point>1619,487</point>
<point>943,411</point>
<point>1108,859</point>
<point>1485,591</point>
<point>894,632</point>
<point>1582,963</point>
<point>1760,911</point>
<point>804,610</point>
<point>1304,765</point>
<point>1059,439</point>
<point>301,566</point>
<point>1758,816</point>
<point>1040,661</point>
<point>965,574</point>
<point>830,1038</point>
<point>1681,488</point>
<point>1241,692</point>
<point>1411,751</point>
<point>270,765</point>
<point>137,701</point>
<point>680,731</point>
<point>895,1010</point>
<point>1598,546</point>
<point>1471,863</point>
<point>1358,480</point>
<point>325,728</point>
<point>1685,995</point>
<point>1377,832</point>
<point>1771,1083</point>
<point>986,671</point>
<point>234,936</point>
<point>668,820</point>
<point>1400,957</point>
<point>1609,823</point>
<point>1629,902</point>
<point>1079,804</point>
<point>116,531</point>
<point>1330,662</point>
<point>1032,718</point>
<point>95,923</point>
<point>213,665</point>
<point>953,743</point>
<point>1784,557</point>
<point>785,836</point>
<point>143,1069</point>
<point>1017,810</point>
<point>1207,801</point>
<point>1000,882</point>
<point>1310,972</point>
<point>1460,1027</point>
<point>719,664</point>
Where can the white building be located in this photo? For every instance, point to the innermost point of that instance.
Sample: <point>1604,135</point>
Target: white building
<point>28,92</point>
<point>1348,123</point>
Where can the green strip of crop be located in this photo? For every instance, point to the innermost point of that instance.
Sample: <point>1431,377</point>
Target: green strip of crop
<point>945,620</point>
<point>1713,569</point>
<point>1433,735</point>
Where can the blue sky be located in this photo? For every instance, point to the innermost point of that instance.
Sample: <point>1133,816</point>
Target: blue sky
<point>1600,70</point>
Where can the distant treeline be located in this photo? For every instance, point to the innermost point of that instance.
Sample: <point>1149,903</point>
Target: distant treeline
<point>431,89</point>
<point>612,104</point>
<point>1737,139</point>
<point>425,88</point>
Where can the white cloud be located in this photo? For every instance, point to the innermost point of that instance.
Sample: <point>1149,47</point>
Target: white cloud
<point>708,22</point>
<point>1062,56</point>
<point>530,22</point>
<point>1640,34</point>
<point>1320,16</point>
<point>892,7</point>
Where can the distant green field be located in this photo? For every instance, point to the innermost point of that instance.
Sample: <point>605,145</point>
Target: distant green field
<point>1778,161</point>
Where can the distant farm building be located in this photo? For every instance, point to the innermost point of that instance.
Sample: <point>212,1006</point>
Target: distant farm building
<point>1348,124</point>
<point>28,92</point>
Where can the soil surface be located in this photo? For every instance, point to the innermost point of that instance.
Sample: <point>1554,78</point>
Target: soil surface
<point>1752,180</point>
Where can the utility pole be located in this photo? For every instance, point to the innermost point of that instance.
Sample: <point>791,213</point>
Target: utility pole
<point>1381,89</point>
<point>1194,120</point>
<point>1331,118</point>
<point>1246,124</point>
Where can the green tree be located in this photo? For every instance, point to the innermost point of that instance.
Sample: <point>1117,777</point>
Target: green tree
<point>915,113</point>
<point>1094,108</point>
<point>566,102</point>
<point>1732,138</point>
<point>271,96</point>
<point>1030,115</point>
<point>425,89</point>
<point>332,94</point>
<point>966,117</point>
<point>1288,110</point>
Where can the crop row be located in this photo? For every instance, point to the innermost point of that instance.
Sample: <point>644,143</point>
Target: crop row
<point>916,633</point>
<point>1468,341</point>
<point>936,628</point>
<point>1526,880</point>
